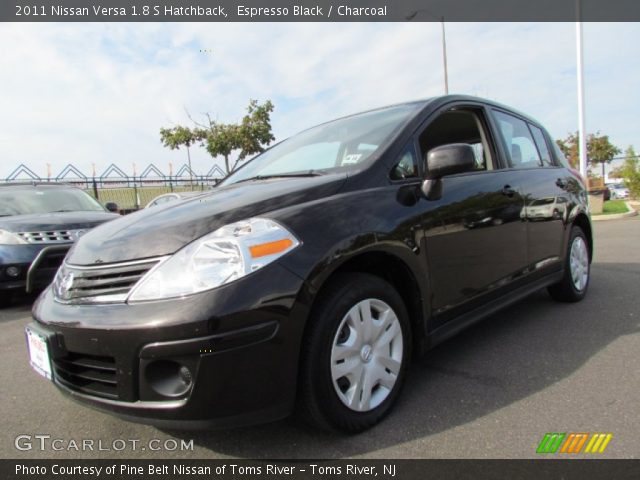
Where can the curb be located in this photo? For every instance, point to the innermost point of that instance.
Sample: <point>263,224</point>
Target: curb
<point>615,216</point>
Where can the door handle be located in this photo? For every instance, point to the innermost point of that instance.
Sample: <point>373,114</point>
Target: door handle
<point>561,182</point>
<point>508,191</point>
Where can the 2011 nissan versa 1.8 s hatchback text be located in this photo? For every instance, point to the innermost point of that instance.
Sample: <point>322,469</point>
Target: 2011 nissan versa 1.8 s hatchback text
<point>313,274</point>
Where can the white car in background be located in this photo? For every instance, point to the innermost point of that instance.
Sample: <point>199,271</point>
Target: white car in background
<point>545,209</point>
<point>170,197</point>
<point>618,191</point>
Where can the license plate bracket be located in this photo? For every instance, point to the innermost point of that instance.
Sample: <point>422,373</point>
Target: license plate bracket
<point>39,356</point>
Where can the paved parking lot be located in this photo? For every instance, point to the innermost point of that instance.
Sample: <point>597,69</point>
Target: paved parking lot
<point>491,392</point>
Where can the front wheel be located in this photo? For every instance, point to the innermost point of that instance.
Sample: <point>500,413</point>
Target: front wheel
<point>355,354</point>
<point>577,270</point>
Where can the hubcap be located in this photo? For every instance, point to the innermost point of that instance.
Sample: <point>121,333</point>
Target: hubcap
<point>579,263</point>
<point>366,355</point>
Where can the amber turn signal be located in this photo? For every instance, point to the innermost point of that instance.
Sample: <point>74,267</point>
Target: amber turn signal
<point>270,248</point>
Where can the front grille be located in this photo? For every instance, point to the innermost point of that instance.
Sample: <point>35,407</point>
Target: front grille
<point>90,374</point>
<point>51,236</point>
<point>99,284</point>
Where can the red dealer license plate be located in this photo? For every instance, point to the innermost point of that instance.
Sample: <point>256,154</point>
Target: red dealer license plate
<point>38,353</point>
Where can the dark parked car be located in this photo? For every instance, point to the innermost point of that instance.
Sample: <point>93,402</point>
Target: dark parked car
<point>38,225</point>
<point>314,273</point>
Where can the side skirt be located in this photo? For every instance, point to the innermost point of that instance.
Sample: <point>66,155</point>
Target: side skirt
<point>465,320</point>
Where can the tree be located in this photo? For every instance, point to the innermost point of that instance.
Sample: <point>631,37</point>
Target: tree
<point>569,147</point>
<point>599,149</point>
<point>255,130</point>
<point>176,137</point>
<point>220,139</point>
<point>630,172</point>
<point>248,137</point>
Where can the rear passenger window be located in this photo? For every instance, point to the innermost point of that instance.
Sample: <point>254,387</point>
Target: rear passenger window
<point>541,143</point>
<point>521,149</point>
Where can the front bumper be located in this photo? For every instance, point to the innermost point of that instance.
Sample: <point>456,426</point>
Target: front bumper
<point>239,343</point>
<point>36,264</point>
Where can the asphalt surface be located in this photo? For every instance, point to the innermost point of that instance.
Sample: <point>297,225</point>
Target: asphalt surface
<point>491,392</point>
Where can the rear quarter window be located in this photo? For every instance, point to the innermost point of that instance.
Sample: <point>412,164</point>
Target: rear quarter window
<point>543,148</point>
<point>560,157</point>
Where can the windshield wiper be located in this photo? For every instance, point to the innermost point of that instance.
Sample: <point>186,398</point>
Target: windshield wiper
<point>310,173</point>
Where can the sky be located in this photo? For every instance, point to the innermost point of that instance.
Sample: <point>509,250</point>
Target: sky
<point>94,94</point>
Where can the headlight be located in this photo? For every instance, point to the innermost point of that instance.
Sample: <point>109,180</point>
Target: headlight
<point>10,238</point>
<point>229,253</point>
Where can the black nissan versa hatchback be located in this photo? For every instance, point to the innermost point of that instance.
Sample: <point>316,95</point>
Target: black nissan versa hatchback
<point>314,273</point>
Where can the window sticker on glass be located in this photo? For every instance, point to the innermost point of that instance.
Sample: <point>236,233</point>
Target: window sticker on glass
<point>351,159</point>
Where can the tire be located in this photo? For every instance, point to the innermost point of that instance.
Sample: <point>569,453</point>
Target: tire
<point>577,270</point>
<point>376,352</point>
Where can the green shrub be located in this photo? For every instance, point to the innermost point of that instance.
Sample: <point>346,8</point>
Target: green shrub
<point>630,172</point>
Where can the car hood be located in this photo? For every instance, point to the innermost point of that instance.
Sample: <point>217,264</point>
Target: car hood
<point>40,222</point>
<point>164,229</point>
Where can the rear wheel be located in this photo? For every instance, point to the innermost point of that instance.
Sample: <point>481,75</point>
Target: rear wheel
<point>577,270</point>
<point>355,354</point>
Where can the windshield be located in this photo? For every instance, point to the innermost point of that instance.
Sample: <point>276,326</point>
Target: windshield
<point>18,201</point>
<point>341,145</point>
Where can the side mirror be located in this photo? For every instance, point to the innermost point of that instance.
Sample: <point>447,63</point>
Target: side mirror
<point>449,160</point>
<point>446,160</point>
<point>111,207</point>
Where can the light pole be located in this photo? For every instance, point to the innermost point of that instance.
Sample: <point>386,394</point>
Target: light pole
<point>444,43</point>
<point>582,135</point>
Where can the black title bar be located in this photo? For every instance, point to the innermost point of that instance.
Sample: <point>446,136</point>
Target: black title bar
<point>321,469</point>
<point>319,11</point>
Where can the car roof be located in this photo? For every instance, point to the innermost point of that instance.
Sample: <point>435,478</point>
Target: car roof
<point>422,104</point>
<point>486,101</point>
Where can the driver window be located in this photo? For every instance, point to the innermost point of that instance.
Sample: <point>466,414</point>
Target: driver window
<point>407,166</point>
<point>458,126</point>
